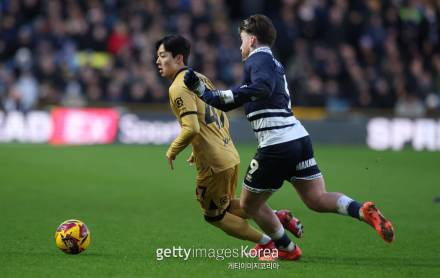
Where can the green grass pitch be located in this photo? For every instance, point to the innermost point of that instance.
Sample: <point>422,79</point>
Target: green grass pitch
<point>133,204</point>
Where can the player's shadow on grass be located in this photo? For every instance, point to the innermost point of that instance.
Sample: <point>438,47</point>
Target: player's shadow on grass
<point>369,261</point>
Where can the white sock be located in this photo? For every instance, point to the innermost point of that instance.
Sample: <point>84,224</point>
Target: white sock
<point>361,214</point>
<point>342,204</point>
<point>278,234</point>
<point>265,239</point>
<point>289,248</point>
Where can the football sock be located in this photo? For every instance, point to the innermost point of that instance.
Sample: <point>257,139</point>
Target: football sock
<point>353,209</point>
<point>348,206</point>
<point>265,239</point>
<point>278,234</point>
<point>238,227</point>
<point>282,241</point>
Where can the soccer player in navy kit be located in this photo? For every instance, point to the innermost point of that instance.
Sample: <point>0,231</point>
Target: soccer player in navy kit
<point>284,147</point>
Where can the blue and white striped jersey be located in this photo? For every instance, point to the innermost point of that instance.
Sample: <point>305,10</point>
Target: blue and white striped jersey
<point>266,99</point>
<point>269,110</point>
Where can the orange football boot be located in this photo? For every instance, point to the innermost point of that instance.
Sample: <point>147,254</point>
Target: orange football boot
<point>258,250</point>
<point>293,255</point>
<point>374,217</point>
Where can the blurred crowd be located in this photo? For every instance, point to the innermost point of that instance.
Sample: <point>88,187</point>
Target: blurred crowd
<point>337,54</point>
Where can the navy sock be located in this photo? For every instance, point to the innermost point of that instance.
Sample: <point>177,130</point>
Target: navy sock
<point>353,209</point>
<point>283,242</point>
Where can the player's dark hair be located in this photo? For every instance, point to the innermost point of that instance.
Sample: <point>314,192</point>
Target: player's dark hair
<point>261,27</point>
<point>175,44</point>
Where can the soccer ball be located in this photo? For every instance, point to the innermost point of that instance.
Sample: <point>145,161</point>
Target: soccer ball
<point>72,236</point>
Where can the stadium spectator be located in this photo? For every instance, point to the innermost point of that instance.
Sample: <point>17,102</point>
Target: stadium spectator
<point>354,53</point>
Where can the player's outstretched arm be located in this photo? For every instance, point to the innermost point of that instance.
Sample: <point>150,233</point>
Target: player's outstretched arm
<point>228,99</point>
<point>193,82</point>
<point>216,98</point>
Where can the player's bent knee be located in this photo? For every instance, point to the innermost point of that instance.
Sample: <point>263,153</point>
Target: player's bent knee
<point>214,219</point>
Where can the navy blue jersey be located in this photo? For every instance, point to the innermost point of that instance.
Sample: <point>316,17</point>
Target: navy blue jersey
<point>284,149</point>
<point>266,99</point>
<point>264,83</point>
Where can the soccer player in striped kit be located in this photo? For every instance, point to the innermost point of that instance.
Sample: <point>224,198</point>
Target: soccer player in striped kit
<point>285,150</point>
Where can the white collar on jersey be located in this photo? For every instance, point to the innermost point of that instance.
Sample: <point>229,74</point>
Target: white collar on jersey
<point>265,49</point>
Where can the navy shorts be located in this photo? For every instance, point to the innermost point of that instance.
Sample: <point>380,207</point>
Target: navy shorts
<point>272,165</point>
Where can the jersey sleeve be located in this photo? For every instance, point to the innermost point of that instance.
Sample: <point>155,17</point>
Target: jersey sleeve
<point>262,71</point>
<point>184,103</point>
<point>262,75</point>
